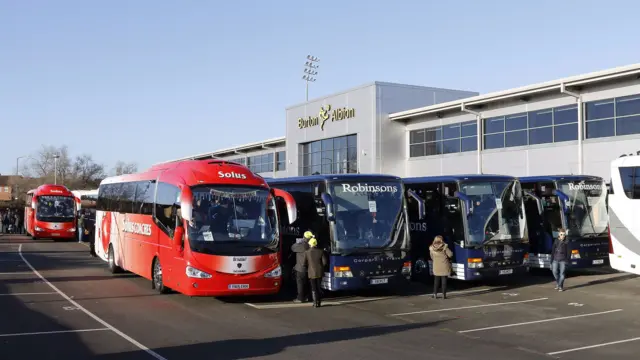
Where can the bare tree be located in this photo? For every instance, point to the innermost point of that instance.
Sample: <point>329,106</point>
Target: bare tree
<point>42,164</point>
<point>122,168</point>
<point>87,174</point>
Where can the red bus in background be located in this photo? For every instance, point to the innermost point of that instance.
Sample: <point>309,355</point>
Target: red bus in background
<point>50,212</point>
<point>199,227</point>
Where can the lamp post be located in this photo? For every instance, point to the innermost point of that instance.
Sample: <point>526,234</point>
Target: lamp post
<point>55,168</point>
<point>310,72</point>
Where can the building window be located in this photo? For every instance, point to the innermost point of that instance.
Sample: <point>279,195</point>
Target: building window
<point>532,128</point>
<point>447,139</point>
<point>281,161</point>
<point>260,163</point>
<point>329,156</point>
<point>612,117</point>
<point>6,189</point>
<point>240,160</point>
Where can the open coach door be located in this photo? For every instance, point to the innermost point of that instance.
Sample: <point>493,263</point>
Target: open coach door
<point>287,214</point>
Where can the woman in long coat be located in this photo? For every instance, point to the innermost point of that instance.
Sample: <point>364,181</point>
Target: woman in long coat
<point>441,258</point>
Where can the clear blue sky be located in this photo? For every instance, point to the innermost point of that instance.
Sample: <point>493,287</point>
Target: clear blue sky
<point>148,81</point>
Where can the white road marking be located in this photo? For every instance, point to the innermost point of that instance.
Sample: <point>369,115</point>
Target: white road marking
<point>17,273</point>
<point>575,304</point>
<point>25,294</point>
<point>89,313</point>
<point>593,346</point>
<point>540,321</point>
<point>308,304</point>
<point>53,332</point>
<point>469,291</point>
<point>469,307</point>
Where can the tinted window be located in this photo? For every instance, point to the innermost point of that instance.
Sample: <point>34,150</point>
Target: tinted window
<point>495,141</point>
<point>565,115</point>
<point>540,118</point>
<point>601,128</point>
<point>599,110</point>
<point>451,131</point>
<point>628,125</point>
<point>565,132</point>
<point>516,122</point>
<point>626,176</point>
<point>143,203</point>
<point>541,136</point>
<point>516,138</point>
<point>493,125</point>
<point>628,105</point>
<point>166,207</point>
<point>469,128</point>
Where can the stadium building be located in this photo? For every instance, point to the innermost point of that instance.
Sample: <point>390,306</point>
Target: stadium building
<point>575,125</point>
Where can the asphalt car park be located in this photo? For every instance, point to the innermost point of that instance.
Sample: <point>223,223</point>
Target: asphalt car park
<point>57,302</point>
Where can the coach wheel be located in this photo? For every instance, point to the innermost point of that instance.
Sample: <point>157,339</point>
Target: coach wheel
<point>112,261</point>
<point>33,237</point>
<point>420,269</point>
<point>157,282</point>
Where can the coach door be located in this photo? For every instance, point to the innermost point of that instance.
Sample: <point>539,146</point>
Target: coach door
<point>144,238</point>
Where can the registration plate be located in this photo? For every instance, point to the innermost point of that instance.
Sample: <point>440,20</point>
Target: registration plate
<point>505,272</point>
<point>238,286</point>
<point>379,281</point>
<point>55,234</point>
<point>598,262</point>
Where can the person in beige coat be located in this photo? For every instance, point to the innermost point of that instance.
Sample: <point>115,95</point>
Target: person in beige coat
<point>441,257</point>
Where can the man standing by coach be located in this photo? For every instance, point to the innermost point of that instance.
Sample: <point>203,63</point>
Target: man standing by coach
<point>302,281</point>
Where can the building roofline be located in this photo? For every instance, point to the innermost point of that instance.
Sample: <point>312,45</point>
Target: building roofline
<point>375,83</point>
<point>544,87</point>
<point>213,154</point>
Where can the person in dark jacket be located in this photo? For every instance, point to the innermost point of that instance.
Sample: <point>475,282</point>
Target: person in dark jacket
<point>315,260</point>
<point>300,249</point>
<point>560,258</point>
<point>89,235</point>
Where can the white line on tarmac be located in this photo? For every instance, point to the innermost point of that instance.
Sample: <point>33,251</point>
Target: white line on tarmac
<point>308,304</point>
<point>17,273</point>
<point>540,321</point>
<point>25,294</point>
<point>89,313</point>
<point>469,307</point>
<point>469,291</point>
<point>53,332</point>
<point>593,346</point>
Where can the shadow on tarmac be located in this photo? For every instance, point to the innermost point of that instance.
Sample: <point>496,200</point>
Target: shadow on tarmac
<point>19,319</point>
<point>235,349</point>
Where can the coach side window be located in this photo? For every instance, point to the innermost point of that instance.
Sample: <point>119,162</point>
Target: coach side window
<point>126,197</point>
<point>166,207</point>
<point>143,203</point>
<point>627,177</point>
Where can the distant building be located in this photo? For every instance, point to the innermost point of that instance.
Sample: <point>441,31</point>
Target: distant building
<point>9,187</point>
<point>574,125</point>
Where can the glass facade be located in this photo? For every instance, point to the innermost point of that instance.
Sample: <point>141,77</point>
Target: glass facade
<point>532,128</point>
<point>445,139</point>
<point>603,118</point>
<point>329,156</point>
<point>612,117</point>
<point>260,163</point>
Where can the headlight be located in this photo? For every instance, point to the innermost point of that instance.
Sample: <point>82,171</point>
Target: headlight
<point>39,228</point>
<point>195,273</point>
<point>406,267</point>
<point>342,271</point>
<point>72,230</point>
<point>275,273</point>
<point>475,263</point>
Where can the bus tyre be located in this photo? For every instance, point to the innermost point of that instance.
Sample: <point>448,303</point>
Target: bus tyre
<point>112,261</point>
<point>157,282</point>
<point>420,271</point>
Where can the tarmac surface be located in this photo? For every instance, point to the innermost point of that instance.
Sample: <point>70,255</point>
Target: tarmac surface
<point>59,303</point>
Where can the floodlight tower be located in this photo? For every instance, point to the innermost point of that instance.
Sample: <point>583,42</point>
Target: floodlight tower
<point>310,70</point>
